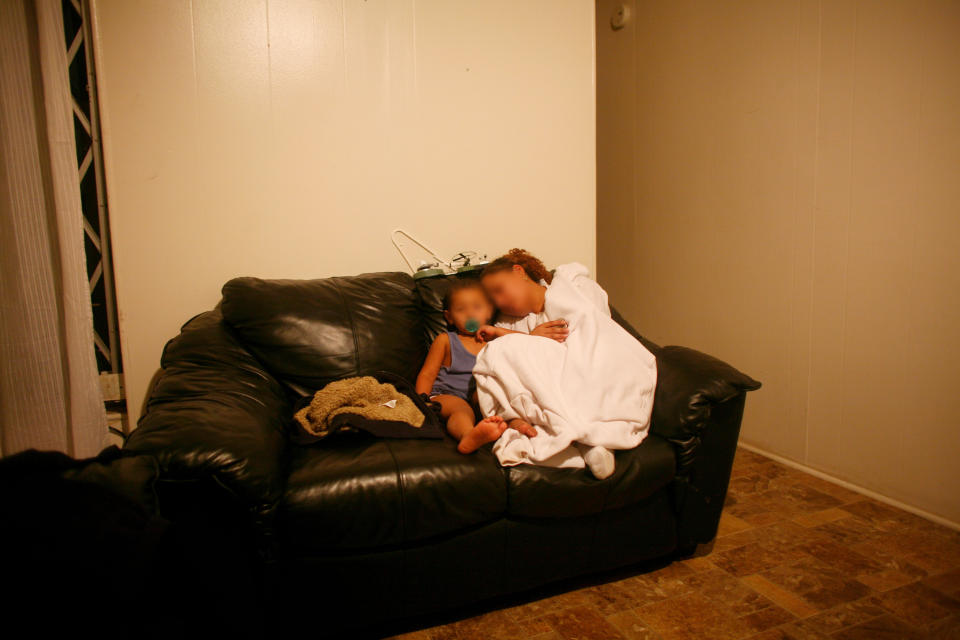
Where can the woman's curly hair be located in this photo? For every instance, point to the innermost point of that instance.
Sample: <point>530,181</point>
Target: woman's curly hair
<point>530,263</point>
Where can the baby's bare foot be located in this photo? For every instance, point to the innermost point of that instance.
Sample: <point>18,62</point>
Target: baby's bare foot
<point>523,427</point>
<point>487,430</point>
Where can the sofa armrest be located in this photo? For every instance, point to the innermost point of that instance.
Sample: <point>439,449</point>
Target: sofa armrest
<point>689,384</point>
<point>698,407</point>
<point>216,415</point>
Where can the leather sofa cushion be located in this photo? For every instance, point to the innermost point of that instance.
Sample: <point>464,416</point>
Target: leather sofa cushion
<point>310,332</point>
<point>354,491</point>
<point>548,492</point>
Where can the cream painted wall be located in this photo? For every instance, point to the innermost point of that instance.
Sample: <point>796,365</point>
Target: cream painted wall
<point>779,186</point>
<point>287,138</point>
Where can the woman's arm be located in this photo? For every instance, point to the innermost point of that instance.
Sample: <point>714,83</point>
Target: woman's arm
<point>432,363</point>
<point>556,329</point>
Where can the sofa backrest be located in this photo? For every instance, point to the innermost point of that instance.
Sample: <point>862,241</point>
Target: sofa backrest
<point>311,332</point>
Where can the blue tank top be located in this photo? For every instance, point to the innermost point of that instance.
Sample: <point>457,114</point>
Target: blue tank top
<point>455,379</point>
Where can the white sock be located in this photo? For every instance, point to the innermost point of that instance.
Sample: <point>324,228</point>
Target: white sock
<point>599,460</point>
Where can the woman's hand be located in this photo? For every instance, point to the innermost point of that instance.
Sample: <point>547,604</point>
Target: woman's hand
<point>556,329</point>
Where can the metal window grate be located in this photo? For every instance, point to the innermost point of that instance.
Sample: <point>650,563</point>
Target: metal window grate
<point>96,231</point>
<point>90,174</point>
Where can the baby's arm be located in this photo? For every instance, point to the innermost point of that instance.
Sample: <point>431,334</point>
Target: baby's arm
<point>432,363</point>
<point>555,329</point>
<point>491,332</point>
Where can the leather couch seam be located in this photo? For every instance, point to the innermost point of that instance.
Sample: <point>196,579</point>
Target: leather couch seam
<point>403,514</point>
<point>403,498</point>
<point>353,324</point>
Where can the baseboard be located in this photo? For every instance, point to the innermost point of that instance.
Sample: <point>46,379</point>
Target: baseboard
<point>853,487</point>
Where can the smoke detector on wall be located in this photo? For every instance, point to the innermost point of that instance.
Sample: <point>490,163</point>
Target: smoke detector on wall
<point>621,14</point>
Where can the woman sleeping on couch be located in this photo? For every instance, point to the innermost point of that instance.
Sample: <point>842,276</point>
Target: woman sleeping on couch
<point>565,401</point>
<point>448,368</point>
<point>517,280</point>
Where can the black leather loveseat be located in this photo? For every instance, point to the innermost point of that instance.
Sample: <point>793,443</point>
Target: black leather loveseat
<point>356,530</point>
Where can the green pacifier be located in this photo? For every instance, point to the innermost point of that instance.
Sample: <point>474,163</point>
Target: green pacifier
<point>471,325</point>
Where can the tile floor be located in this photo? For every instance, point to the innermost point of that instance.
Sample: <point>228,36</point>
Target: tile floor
<point>796,557</point>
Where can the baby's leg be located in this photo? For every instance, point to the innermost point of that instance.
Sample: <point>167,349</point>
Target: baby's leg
<point>459,416</point>
<point>457,412</point>
<point>523,427</point>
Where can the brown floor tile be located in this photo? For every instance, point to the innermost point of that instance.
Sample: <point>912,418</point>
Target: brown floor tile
<point>756,512</point>
<point>774,470</point>
<point>846,615</point>
<point>751,483</point>
<point>920,549</point>
<point>744,457</point>
<point>769,618</point>
<point>788,534</point>
<point>493,624</point>
<point>908,541</point>
<point>610,597</point>
<point>918,604</point>
<point>850,530</point>
<point>880,550</point>
<point>734,540</point>
<point>728,591</point>
<point>948,583</point>
<point>881,516</point>
<point>543,606</point>
<point>946,629</point>
<point>535,626</point>
<point>764,477</point>
<point>631,626</point>
<point>809,499</point>
<point>819,584</point>
<point>698,564</point>
<point>692,616</point>
<point>780,503</point>
<point>645,591</point>
<point>582,623</point>
<point>841,557</point>
<point>952,536</point>
<point>882,628</point>
<point>842,494</point>
<point>672,580</point>
<point>754,557</point>
<point>821,517</point>
<point>421,634</point>
<point>786,599</point>
<point>549,635</point>
<point>942,555</point>
<point>731,524</point>
<point>793,631</point>
<point>885,580</point>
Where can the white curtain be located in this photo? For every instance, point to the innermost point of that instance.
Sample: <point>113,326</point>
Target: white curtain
<point>49,387</point>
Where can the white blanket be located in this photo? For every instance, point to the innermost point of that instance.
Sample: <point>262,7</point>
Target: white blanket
<point>594,389</point>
